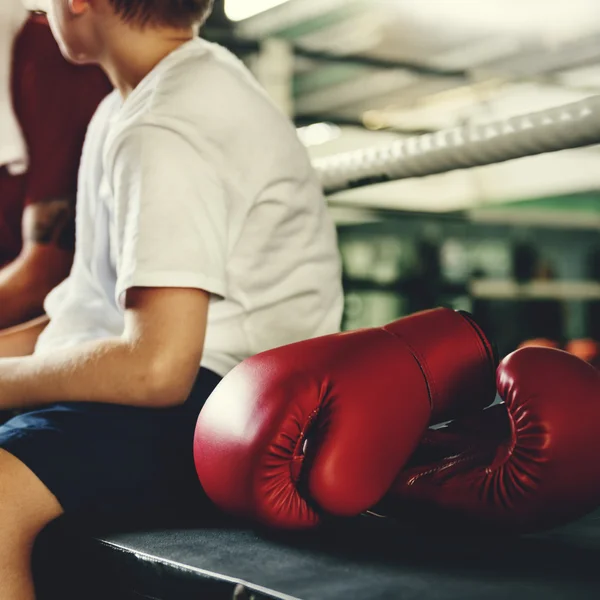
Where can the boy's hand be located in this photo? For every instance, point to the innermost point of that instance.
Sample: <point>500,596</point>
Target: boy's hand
<point>21,339</point>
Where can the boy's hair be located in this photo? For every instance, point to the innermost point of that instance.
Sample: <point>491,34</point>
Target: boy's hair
<point>172,13</point>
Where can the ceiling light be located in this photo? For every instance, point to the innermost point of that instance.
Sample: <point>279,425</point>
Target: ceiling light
<point>318,134</point>
<point>238,10</point>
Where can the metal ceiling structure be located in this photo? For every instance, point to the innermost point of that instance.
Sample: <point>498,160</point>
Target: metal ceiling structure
<point>409,66</point>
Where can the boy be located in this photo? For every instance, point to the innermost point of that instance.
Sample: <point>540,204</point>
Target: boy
<point>202,238</point>
<point>45,107</point>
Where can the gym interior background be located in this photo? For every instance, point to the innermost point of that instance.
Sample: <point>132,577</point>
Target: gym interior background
<point>516,243</point>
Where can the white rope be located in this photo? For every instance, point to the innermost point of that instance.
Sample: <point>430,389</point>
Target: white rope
<point>569,126</point>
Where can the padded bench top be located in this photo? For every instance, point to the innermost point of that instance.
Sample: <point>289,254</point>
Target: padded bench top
<point>367,558</point>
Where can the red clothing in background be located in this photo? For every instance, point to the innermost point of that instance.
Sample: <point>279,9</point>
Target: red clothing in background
<point>54,102</point>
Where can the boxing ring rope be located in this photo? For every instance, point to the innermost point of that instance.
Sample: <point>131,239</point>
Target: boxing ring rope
<point>569,126</point>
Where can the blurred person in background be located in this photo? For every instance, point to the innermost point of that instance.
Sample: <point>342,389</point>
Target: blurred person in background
<point>45,107</point>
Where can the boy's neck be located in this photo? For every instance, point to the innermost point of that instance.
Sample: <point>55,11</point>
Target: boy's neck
<point>130,55</point>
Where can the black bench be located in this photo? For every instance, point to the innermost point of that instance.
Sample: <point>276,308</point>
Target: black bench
<point>367,559</point>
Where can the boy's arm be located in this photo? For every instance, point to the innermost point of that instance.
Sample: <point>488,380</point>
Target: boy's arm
<point>45,260</point>
<point>21,340</point>
<point>153,364</point>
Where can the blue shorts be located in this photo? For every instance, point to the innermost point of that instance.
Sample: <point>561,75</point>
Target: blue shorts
<point>109,459</point>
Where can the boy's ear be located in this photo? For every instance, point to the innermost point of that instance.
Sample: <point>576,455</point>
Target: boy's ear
<point>78,7</point>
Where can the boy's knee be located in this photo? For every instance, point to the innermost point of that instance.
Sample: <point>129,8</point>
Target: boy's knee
<point>27,504</point>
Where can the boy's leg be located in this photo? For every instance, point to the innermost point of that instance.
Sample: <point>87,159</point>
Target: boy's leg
<point>26,507</point>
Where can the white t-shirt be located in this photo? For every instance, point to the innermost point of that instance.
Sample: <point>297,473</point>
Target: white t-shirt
<point>198,181</point>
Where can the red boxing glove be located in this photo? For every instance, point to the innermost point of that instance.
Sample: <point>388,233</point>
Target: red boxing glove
<point>522,466</point>
<point>325,425</point>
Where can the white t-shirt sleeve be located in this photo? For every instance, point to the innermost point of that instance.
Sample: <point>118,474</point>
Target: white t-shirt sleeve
<point>169,227</point>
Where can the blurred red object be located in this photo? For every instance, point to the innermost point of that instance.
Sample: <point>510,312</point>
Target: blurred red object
<point>540,342</point>
<point>586,349</point>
